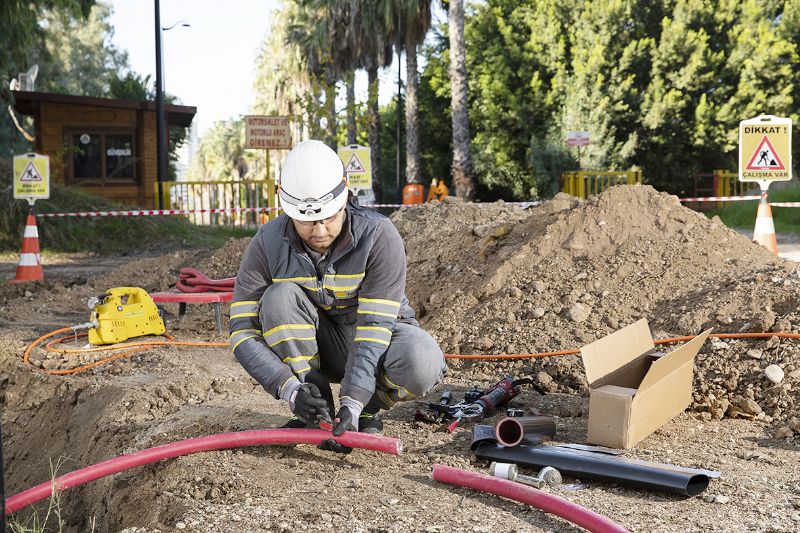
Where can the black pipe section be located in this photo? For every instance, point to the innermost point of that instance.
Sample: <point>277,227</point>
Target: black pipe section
<point>511,431</point>
<point>590,465</point>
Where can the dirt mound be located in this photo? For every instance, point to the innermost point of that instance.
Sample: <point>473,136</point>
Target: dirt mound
<point>501,279</point>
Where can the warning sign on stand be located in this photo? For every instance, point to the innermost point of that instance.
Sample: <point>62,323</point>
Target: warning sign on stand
<point>31,177</point>
<point>765,149</point>
<point>357,165</point>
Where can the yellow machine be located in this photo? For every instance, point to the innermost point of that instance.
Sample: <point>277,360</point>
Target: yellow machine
<point>122,313</point>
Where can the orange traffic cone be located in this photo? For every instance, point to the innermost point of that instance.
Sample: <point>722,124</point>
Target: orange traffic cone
<point>764,232</point>
<point>30,264</point>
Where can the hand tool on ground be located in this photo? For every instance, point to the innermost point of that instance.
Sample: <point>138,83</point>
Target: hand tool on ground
<point>122,313</point>
<point>548,476</point>
<point>497,396</point>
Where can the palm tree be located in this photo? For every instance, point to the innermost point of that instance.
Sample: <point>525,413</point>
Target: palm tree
<point>410,26</point>
<point>374,51</point>
<point>462,163</point>
<point>312,29</point>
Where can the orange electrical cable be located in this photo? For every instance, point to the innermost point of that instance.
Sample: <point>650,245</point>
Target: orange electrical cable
<point>780,334</point>
<point>144,345</point>
<point>135,348</point>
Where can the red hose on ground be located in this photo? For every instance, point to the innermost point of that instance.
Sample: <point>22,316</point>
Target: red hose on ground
<point>548,503</point>
<point>220,441</point>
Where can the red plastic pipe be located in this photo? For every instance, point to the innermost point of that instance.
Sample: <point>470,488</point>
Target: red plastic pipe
<point>220,441</point>
<point>548,503</point>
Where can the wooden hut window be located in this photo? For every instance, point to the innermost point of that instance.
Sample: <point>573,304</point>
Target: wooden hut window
<point>104,156</point>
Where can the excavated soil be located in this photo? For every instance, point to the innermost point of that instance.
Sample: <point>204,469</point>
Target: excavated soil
<point>485,279</point>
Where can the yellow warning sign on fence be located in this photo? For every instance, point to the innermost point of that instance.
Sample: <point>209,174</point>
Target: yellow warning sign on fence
<point>357,165</point>
<point>765,149</point>
<point>31,177</point>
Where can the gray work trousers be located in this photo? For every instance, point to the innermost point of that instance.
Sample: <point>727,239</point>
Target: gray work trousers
<point>306,339</point>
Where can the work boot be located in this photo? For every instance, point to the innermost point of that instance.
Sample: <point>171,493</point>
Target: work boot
<point>370,423</point>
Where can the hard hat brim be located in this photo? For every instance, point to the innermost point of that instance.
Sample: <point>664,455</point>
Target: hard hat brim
<point>329,209</point>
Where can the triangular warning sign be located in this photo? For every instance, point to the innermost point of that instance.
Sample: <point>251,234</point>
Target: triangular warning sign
<point>354,165</point>
<point>31,174</point>
<point>765,157</point>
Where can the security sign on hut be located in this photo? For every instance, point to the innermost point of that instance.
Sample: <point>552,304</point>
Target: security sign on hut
<point>31,183</point>
<point>765,155</point>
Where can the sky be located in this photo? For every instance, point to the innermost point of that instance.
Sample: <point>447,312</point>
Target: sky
<point>211,64</point>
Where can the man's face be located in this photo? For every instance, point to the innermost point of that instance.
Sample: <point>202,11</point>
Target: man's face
<point>319,235</point>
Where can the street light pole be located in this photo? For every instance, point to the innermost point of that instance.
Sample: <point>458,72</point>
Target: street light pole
<point>161,133</point>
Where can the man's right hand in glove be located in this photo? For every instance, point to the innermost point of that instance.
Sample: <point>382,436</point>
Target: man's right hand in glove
<point>308,404</point>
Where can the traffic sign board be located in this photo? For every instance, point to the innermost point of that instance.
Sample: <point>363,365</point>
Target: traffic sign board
<point>267,132</point>
<point>357,165</point>
<point>31,177</point>
<point>765,149</point>
<point>578,138</point>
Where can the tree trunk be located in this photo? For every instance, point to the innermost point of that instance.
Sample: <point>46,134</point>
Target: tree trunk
<point>330,113</point>
<point>412,111</point>
<point>374,131</point>
<point>351,107</point>
<point>463,179</point>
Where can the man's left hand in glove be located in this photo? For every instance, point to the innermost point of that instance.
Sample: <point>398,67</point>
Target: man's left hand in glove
<point>343,422</point>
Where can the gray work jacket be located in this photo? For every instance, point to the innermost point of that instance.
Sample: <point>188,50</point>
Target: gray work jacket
<point>362,281</point>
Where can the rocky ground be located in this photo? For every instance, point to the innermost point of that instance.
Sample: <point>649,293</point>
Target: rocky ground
<point>485,279</point>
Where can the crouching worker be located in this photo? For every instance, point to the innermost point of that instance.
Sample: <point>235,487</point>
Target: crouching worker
<point>320,298</point>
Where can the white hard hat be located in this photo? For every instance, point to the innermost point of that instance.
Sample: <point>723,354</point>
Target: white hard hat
<point>313,182</point>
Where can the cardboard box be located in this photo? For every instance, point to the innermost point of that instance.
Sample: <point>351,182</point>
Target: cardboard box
<point>633,389</point>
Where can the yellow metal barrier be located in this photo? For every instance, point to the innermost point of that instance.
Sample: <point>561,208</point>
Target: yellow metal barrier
<point>222,195</point>
<point>584,183</point>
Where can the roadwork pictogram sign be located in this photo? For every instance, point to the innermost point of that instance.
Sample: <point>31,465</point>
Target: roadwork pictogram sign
<point>357,165</point>
<point>31,177</point>
<point>765,149</point>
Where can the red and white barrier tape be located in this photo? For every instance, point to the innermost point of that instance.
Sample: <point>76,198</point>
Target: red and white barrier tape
<point>720,199</point>
<point>157,212</point>
<point>152,212</point>
<point>785,204</point>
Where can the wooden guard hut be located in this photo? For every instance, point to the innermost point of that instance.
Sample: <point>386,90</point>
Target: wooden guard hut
<point>103,146</point>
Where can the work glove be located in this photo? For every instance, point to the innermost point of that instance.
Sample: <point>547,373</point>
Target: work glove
<point>309,405</point>
<point>341,423</point>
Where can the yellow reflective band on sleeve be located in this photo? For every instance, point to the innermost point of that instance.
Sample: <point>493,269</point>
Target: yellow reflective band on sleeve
<point>374,328</point>
<point>242,315</point>
<point>288,326</point>
<point>379,341</point>
<point>390,315</point>
<point>295,279</point>
<point>237,304</point>
<point>244,339</point>
<point>378,301</point>
<point>272,345</point>
<point>298,358</point>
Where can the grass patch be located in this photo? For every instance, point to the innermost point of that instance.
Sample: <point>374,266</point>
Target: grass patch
<point>743,214</point>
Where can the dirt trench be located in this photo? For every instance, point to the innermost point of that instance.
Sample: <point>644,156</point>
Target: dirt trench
<point>485,279</point>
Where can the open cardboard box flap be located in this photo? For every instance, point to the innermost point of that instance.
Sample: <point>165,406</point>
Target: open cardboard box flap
<point>604,356</point>
<point>675,359</point>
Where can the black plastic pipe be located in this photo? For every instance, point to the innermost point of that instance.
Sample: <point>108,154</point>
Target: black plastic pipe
<point>593,465</point>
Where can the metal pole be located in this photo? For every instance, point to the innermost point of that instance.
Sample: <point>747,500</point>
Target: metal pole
<point>397,164</point>
<point>161,134</point>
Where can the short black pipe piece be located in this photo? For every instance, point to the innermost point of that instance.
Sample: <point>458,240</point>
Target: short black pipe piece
<point>511,431</point>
